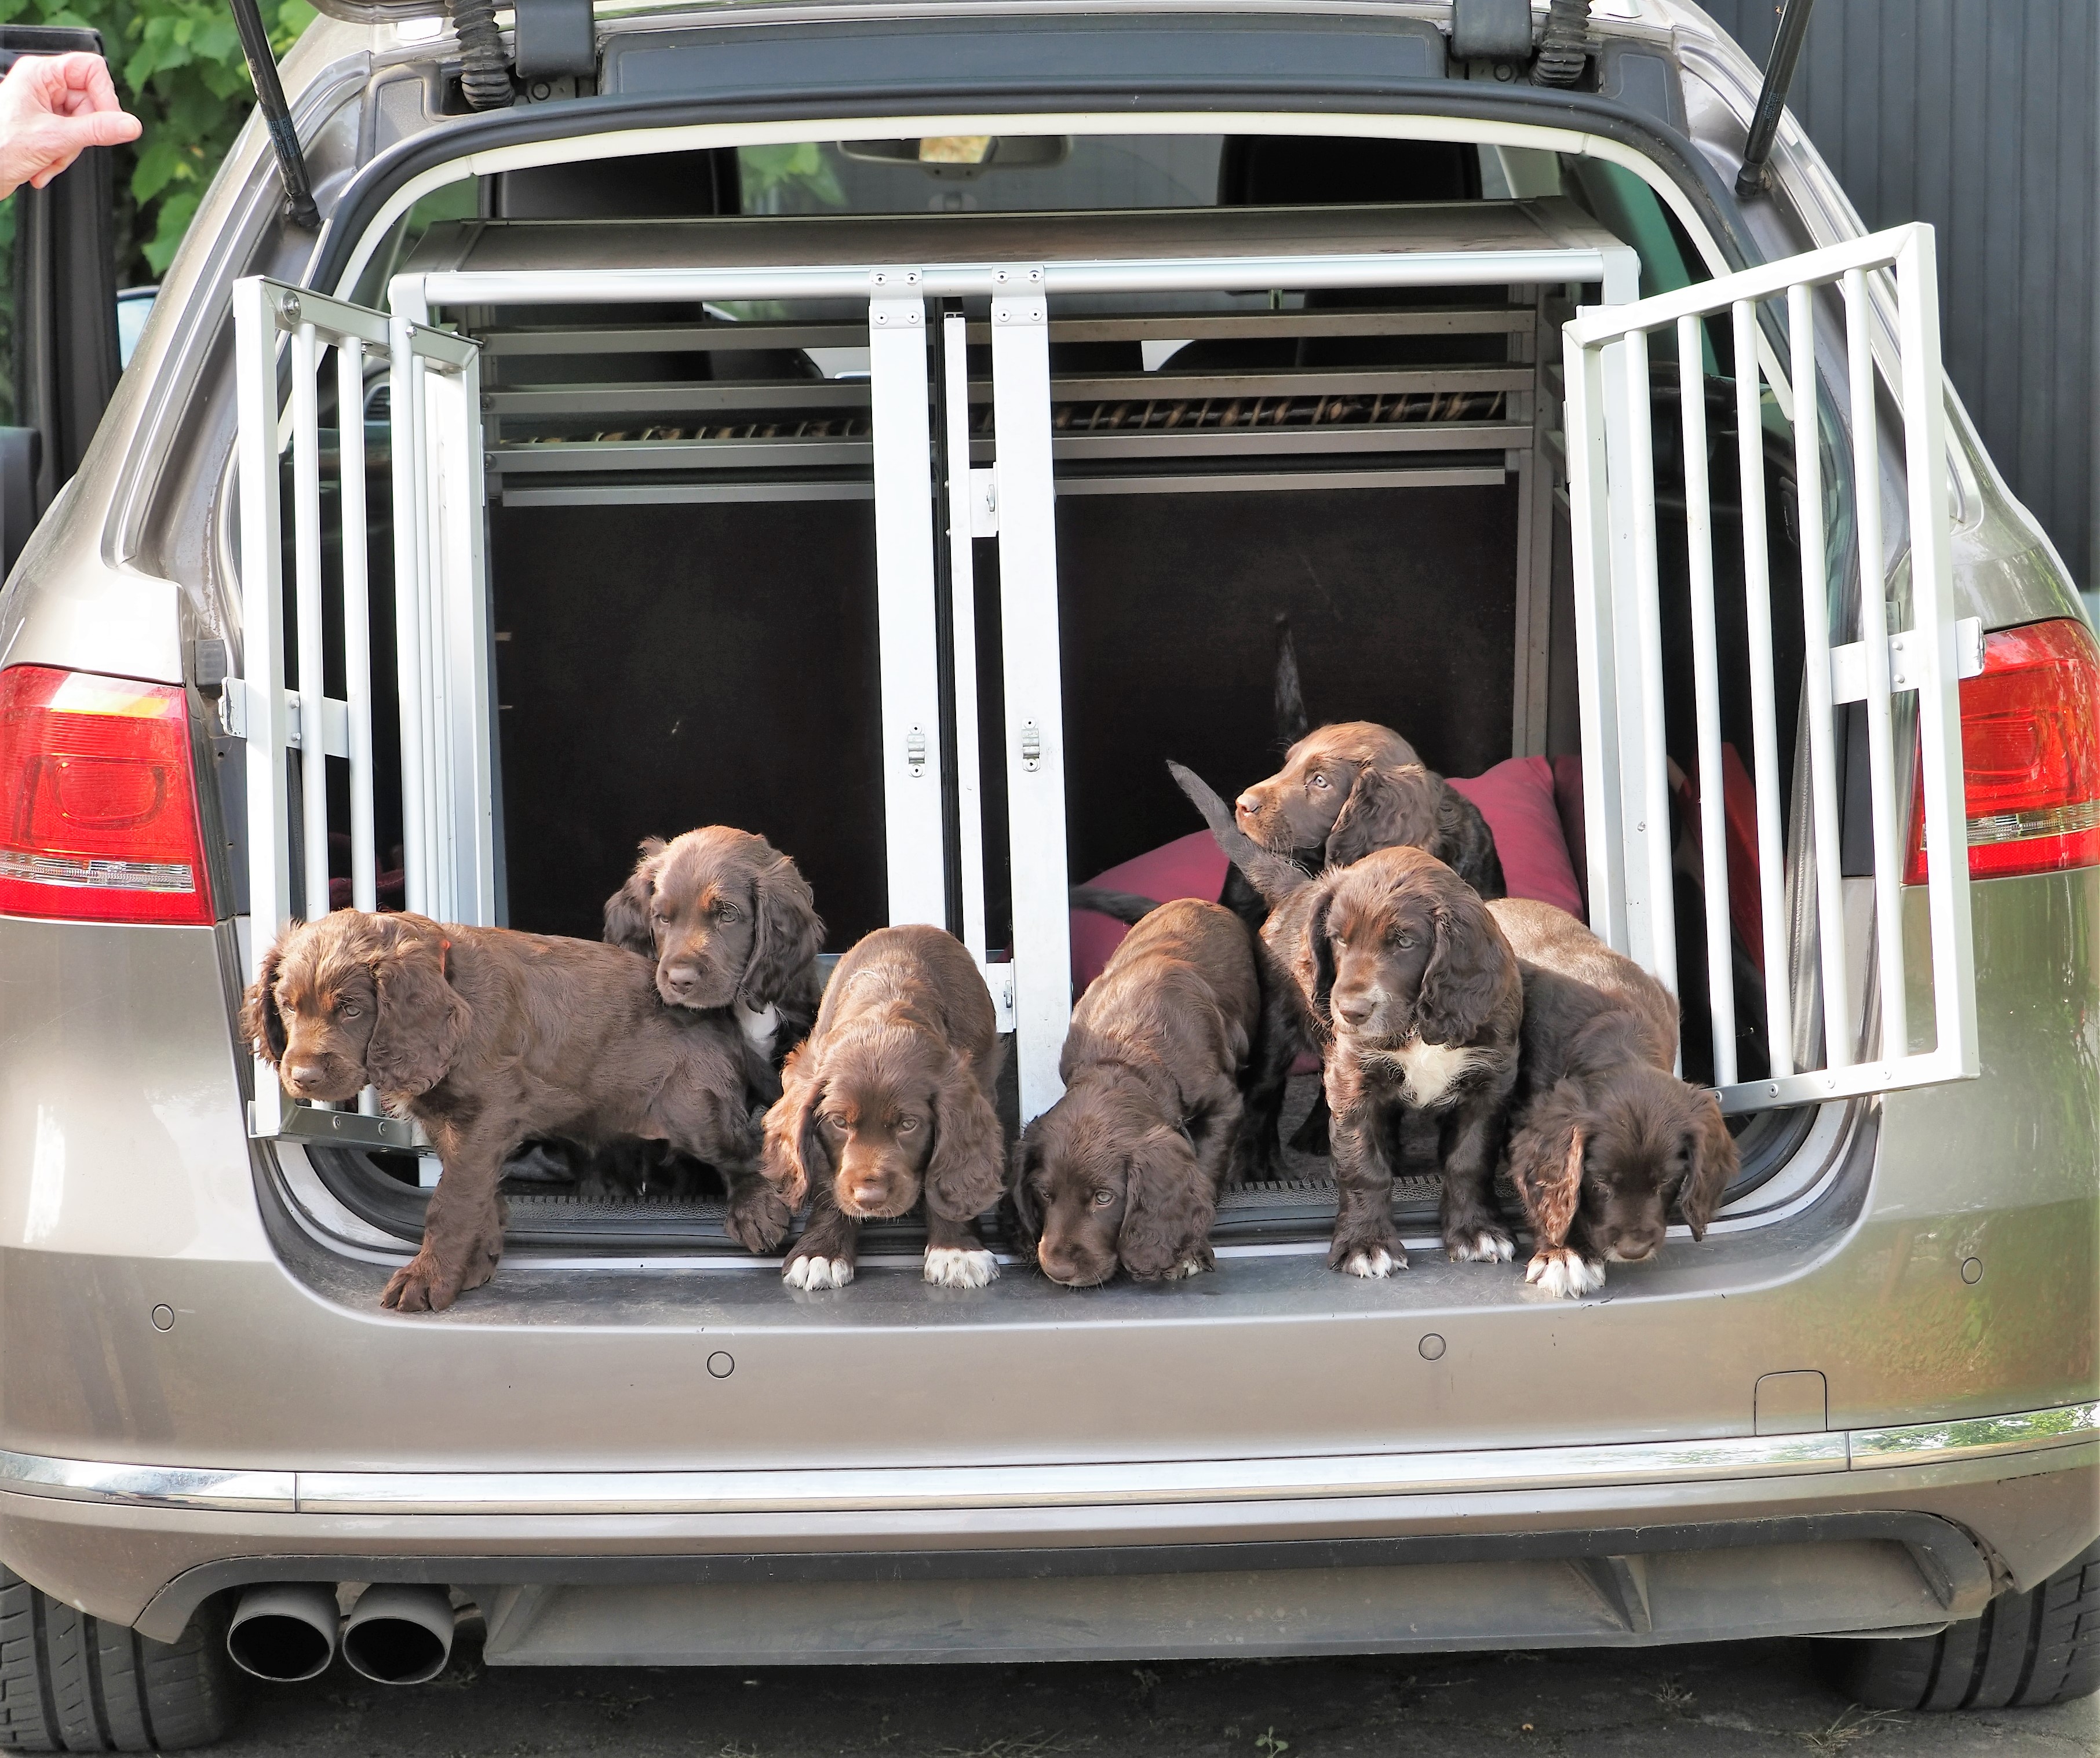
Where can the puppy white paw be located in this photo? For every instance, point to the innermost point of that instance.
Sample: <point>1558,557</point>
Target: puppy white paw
<point>1482,1246</point>
<point>818,1272</point>
<point>1188,1266</point>
<point>953,1266</point>
<point>1376,1262</point>
<point>1565,1275</point>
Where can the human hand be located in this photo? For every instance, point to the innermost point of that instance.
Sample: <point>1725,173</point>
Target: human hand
<point>52,108</point>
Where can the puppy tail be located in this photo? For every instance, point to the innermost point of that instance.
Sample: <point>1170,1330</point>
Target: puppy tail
<point>1275,876</point>
<point>1124,906</point>
<point>1292,722</point>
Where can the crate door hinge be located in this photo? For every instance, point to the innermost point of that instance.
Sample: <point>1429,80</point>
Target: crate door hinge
<point>984,502</point>
<point>1906,656</point>
<point>243,712</point>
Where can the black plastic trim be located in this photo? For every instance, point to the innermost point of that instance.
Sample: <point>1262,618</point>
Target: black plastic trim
<point>1951,1561</point>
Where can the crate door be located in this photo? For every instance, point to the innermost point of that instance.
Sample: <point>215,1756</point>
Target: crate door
<point>1905,678</point>
<point>310,762</point>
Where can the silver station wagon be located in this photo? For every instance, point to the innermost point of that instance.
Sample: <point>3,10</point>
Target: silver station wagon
<point>896,429</point>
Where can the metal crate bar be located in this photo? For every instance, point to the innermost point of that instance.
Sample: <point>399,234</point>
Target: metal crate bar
<point>1764,718</point>
<point>1040,868</point>
<point>1706,697</point>
<point>960,506</point>
<point>1926,660</point>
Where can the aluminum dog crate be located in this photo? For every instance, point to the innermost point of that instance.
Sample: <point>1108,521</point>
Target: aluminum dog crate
<point>920,354</point>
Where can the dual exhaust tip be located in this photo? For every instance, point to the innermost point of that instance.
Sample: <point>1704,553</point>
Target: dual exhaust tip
<point>395,1634</point>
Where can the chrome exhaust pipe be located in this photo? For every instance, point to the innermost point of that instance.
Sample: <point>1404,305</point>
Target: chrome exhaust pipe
<point>398,1634</point>
<point>285,1632</point>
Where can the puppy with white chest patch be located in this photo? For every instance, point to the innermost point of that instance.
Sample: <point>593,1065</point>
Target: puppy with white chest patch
<point>1415,998</point>
<point>891,1098</point>
<point>1124,1171</point>
<point>1606,1135</point>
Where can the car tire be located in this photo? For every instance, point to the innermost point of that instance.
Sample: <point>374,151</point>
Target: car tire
<point>2027,1650</point>
<point>72,1683</point>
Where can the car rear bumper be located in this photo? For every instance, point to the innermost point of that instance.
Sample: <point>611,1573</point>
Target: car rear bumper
<point>1868,1530</point>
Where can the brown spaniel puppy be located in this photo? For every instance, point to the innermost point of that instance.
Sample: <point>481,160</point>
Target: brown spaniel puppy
<point>731,922</point>
<point>1607,1133</point>
<point>1415,997</point>
<point>1125,1169</point>
<point>891,1096</point>
<point>488,1038</point>
<point>1348,789</point>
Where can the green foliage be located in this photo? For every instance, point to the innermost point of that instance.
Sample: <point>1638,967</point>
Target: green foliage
<point>178,68</point>
<point>788,178</point>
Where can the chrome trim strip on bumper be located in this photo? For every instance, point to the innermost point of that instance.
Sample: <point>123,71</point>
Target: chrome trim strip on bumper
<point>139,1485</point>
<point>1979,1438</point>
<point>906,1487</point>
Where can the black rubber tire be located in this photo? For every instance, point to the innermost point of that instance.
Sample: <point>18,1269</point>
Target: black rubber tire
<point>2025,1650</point>
<point>72,1683</point>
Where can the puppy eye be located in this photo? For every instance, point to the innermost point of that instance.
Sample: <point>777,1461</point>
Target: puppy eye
<point>729,912</point>
<point>1404,942</point>
<point>906,1126</point>
<point>833,1120</point>
<point>350,1010</point>
<point>1103,1198</point>
<point>1318,779</point>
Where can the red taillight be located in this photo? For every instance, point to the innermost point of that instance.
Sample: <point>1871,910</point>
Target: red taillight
<point>2031,747</point>
<point>97,802</point>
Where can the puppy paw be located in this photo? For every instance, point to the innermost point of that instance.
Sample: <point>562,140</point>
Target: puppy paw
<point>1481,1244</point>
<point>954,1267</point>
<point>1564,1274</point>
<point>1371,1252</point>
<point>757,1219</point>
<point>423,1284</point>
<point>815,1273</point>
<point>1196,1264</point>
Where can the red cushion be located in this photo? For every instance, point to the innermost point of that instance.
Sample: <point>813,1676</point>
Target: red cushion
<point>1191,866</point>
<point>1516,798</point>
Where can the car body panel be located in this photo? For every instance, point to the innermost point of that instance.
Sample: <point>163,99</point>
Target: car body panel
<point>128,1185</point>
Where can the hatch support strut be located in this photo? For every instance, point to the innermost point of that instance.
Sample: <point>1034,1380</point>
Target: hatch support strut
<point>277,115</point>
<point>1771,98</point>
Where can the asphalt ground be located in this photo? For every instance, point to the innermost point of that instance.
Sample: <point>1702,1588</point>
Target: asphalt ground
<point>1749,1697</point>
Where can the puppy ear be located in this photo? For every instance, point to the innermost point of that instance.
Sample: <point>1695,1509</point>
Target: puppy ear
<point>1714,1162</point>
<point>261,1023</point>
<point>1318,965</point>
<point>1463,976</point>
<point>1167,1207</point>
<point>785,935</point>
<point>627,921</point>
<point>1389,808</point>
<point>795,1155</point>
<point>966,1168</point>
<point>1545,1165</point>
<point>422,1020</point>
<point>1028,1219</point>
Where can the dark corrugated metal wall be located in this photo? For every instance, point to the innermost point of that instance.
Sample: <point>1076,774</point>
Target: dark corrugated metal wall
<point>1978,115</point>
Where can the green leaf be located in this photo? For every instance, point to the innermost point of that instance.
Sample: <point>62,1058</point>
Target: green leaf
<point>175,215</point>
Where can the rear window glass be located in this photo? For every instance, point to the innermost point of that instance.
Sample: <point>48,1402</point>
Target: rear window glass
<point>992,174</point>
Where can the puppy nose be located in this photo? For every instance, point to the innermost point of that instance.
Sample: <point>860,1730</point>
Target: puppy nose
<point>1248,804</point>
<point>302,1073</point>
<point>680,975</point>
<point>868,1192</point>
<point>1355,1009</point>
